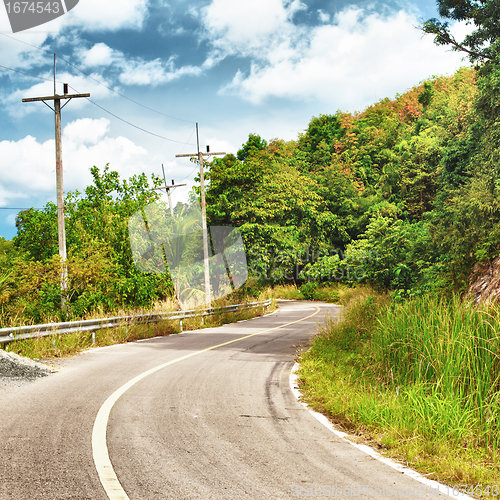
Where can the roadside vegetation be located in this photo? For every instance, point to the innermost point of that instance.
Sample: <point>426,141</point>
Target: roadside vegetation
<point>419,380</point>
<point>57,346</point>
<point>333,293</point>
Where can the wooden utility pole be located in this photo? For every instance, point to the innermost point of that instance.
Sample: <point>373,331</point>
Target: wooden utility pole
<point>168,188</point>
<point>59,175</point>
<point>203,212</point>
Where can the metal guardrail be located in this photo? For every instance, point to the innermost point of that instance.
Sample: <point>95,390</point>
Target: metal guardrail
<point>28,332</point>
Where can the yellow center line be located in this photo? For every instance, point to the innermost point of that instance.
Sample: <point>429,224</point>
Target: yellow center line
<point>107,474</point>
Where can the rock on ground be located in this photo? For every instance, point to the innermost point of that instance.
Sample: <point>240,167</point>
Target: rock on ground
<point>15,367</point>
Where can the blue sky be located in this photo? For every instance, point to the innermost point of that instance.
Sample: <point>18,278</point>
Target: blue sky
<point>235,67</point>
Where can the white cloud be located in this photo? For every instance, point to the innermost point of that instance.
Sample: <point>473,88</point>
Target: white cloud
<point>4,196</point>
<point>19,55</point>
<point>85,143</point>
<point>193,12</point>
<point>11,219</point>
<point>323,16</point>
<point>135,71</point>
<point>354,61</point>
<point>99,55</point>
<point>110,15</point>
<point>140,72</point>
<point>218,145</point>
<point>89,15</point>
<point>34,161</point>
<point>17,50</point>
<point>246,26</point>
<point>86,131</point>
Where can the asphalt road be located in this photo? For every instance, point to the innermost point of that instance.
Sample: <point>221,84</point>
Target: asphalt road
<point>205,422</point>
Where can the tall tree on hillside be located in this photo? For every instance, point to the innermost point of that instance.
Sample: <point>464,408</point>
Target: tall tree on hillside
<point>467,217</point>
<point>278,208</point>
<point>483,44</point>
<point>318,142</point>
<point>254,144</point>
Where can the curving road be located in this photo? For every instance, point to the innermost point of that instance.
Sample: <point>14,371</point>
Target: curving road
<point>207,414</point>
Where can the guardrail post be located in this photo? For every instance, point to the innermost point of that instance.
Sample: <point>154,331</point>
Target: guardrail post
<point>180,324</point>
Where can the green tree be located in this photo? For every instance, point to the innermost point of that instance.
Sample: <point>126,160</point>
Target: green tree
<point>425,97</point>
<point>276,207</point>
<point>483,43</point>
<point>101,270</point>
<point>254,144</point>
<point>37,232</point>
<point>467,228</point>
<point>7,251</point>
<point>420,158</point>
<point>319,141</point>
<point>393,253</point>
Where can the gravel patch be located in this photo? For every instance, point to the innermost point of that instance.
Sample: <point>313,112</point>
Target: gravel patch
<point>16,368</point>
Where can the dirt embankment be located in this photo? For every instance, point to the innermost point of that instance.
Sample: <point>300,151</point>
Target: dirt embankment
<point>484,283</point>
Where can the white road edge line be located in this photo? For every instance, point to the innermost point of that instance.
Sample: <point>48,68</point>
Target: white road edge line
<point>102,462</point>
<point>441,488</point>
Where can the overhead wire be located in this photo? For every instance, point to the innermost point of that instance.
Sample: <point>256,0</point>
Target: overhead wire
<point>28,74</point>
<point>187,177</point>
<point>124,96</point>
<point>132,125</point>
<point>188,143</point>
<point>107,111</point>
<point>97,81</point>
<point>191,173</point>
<point>112,90</point>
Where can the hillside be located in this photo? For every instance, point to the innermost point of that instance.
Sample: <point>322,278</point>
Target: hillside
<point>405,191</point>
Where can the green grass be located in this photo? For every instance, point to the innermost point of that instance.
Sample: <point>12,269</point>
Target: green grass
<point>336,293</point>
<point>288,292</point>
<point>419,380</point>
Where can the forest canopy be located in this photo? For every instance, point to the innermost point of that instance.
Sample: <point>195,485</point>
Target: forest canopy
<point>404,192</point>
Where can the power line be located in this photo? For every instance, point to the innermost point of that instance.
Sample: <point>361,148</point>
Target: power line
<point>125,97</point>
<point>206,266</point>
<point>104,109</point>
<point>112,90</point>
<point>188,143</point>
<point>26,43</point>
<point>112,114</point>
<point>187,177</point>
<point>131,124</point>
<point>61,228</point>
<point>191,173</point>
<point>136,126</point>
<point>28,74</point>
<point>97,81</point>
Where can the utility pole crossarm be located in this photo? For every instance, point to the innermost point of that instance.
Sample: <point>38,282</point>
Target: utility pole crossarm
<point>169,187</point>
<point>54,97</point>
<point>196,154</point>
